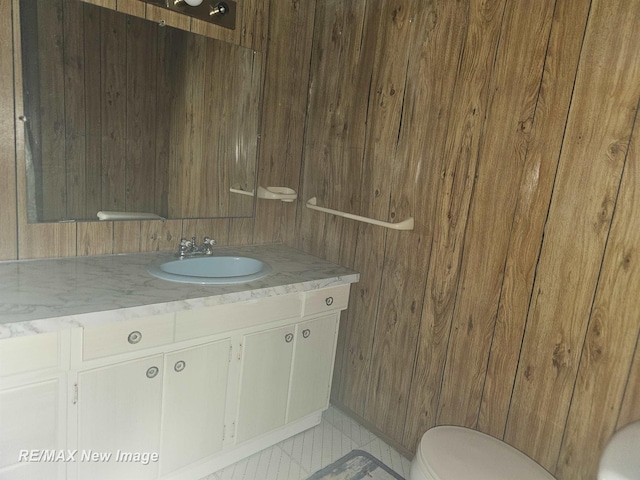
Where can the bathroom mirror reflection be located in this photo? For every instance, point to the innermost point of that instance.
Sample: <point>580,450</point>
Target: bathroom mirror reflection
<point>123,114</point>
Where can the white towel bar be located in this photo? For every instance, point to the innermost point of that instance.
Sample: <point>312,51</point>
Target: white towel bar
<point>407,224</point>
<point>270,193</point>
<point>110,215</point>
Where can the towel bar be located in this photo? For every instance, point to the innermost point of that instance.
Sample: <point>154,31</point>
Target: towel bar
<point>407,224</point>
<point>270,193</point>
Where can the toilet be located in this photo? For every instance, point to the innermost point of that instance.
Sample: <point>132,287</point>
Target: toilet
<point>621,457</point>
<point>458,453</point>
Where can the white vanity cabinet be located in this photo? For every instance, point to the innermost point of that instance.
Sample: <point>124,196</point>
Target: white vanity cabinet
<point>172,396</point>
<point>195,393</point>
<point>33,406</point>
<point>264,381</point>
<point>312,368</point>
<point>119,409</point>
<point>286,375</point>
<point>169,404</point>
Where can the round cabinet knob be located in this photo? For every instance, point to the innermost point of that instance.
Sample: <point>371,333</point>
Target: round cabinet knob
<point>288,337</point>
<point>152,372</point>
<point>306,332</point>
<point>328,301</point>
<point>179,366</point>
<point>134,337</point>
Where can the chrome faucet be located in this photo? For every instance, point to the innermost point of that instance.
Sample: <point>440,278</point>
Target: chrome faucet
<point>189,248</point>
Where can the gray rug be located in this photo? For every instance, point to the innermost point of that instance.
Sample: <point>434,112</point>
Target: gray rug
<point>356,465</point>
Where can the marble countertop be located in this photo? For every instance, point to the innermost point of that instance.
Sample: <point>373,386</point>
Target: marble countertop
<point>38,296</point>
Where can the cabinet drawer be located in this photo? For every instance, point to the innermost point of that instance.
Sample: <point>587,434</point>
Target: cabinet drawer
<point>29,353</point>
<point>326,299</point>
<point>234,316</point>
<point>129,336</point>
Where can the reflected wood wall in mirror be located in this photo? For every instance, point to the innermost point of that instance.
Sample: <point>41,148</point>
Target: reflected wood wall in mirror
<point>124,114</point>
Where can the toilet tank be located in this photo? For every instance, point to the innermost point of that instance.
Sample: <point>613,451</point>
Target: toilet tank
<point>621,457</point>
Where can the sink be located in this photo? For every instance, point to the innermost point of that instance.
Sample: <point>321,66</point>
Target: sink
<point>217,270</point>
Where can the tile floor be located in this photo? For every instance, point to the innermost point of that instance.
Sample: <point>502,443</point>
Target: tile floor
<point>298,457</point>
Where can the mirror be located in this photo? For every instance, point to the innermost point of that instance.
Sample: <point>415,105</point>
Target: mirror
<point>123,114</point>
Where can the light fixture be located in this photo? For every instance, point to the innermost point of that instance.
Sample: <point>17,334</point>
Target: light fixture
<point>191,3</point>
<point>219,9</point>
<point>217,12</point>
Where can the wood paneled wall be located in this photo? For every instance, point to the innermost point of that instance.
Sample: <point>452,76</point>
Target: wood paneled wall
<point>509,131</point>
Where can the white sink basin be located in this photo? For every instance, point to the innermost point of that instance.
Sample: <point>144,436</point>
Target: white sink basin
<point>211,270</point>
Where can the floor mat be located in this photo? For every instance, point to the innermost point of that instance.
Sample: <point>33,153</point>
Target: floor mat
<point>356,465</point>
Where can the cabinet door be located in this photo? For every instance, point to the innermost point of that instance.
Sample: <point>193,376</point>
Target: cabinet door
<point>264,382</point>
<point>195,392</point>
<point>119,418</point>
<point>30,420</point>
<point>312,366</point>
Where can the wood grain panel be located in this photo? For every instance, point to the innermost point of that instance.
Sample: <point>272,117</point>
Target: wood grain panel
<point>95,238</point>
<point>226,146</point>
<point>334,153</point>
<point>156,235</point>
<point>171,78</point>
<point>93,111</point>
<point>327,156</point>
<point>141,98</point>
<point>584,196</point>
<point>34,240</point>
<point>436,39</point>
<point>284,107</point>
<point>531,210</point>
<point>382,21</point>
<point>437,36</point>
<point>218,108</point>
<point>8,215</point>
<point>114,110</point>
<point>46,240</point>
<point>213,121</point>
<point>74,111</point>
<point>193,140</point>
<point>255,21</point>
<point>131,7</point>
<point>111,4</point>
<point>180,173</point>
<point>127,237</point>
<point>241,231</point>
<point>237,156</point>
<point>514,86</point>
<point>454,193</point>
<point>614,326</point>
<point>52,110</point>
<point>398,302</point>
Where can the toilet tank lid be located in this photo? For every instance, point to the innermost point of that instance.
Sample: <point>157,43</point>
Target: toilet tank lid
<point>621,457</point>
<point>450,452</point>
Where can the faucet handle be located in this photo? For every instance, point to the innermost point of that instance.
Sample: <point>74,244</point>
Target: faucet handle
<point>209,241</point>
<point>187,243</point>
